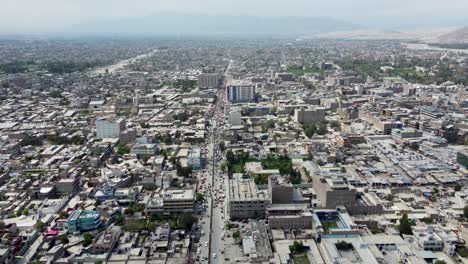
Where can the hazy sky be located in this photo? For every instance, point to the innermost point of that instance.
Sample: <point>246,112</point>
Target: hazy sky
<point>26,16</point>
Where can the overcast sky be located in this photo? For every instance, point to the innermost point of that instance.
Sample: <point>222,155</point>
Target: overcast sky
<point>29,16</point>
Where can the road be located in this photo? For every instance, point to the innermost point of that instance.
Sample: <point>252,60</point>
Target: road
<point>213,220</point>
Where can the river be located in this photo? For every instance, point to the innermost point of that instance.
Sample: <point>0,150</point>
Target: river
<point>121,64</point>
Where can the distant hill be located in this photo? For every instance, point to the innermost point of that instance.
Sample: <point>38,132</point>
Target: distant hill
<point>195,24</point>
<point>459,36</point>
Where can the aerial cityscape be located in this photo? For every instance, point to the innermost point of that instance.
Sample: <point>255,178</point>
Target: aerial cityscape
<point>275,141</point>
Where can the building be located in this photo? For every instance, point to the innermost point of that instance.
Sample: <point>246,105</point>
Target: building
<point>280,193</point>
<point>244,200</point>
<point>177,201</point>
<point>289,216</point>
<point>208,80</point>
<point>109,127</point>
<point>194,158</point>
<point>400,134</point>
<point>238,91</point>
<point>106,241</point>
<point>332,191</point>
<point>307,116</point>
<point>144,149</point>
<point>68,185</point>
<point>80,221</point>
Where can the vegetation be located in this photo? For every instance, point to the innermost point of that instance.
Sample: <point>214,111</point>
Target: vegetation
<point>64,239</point>
<point>200,197</point>
<point>266,126</point>
<point>185,172</point>
<point>182,116</point>
<point>440,262</point>
<point>463,252</point>
<point>87,239</point>
<point>236,234</point>
<point>302,259</point>
<point>301,70</point>
<point>61,140</point>
<point>122,149</point>
<point>55,94</point>
<point>235,163</point>
<point>343,245</point>
<point>329,225</point>
<point>31,141</point>
<point>465,211</point>
<point>40,226</point>
<point>319,128</point>
<point>375,230</point>
<point>285,167</point>
<point>406,226</point>
<point>296,247</point>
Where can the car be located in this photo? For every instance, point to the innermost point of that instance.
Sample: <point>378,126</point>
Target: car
<point>214,255</point>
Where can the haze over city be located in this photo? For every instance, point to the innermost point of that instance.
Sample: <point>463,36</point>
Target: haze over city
<point>62,16</point>
<point>224,132</point>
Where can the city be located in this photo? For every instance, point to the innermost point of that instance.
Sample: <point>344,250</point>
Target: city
<point>256,149</point>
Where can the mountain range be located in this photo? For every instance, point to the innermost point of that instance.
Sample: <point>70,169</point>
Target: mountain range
<point>197,24</point>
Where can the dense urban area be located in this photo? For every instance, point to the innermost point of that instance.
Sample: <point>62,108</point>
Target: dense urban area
<point>232,150</point>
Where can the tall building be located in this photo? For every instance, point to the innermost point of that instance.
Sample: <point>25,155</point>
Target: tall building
<point>238,91</point>
<point>109,127</point>
<point>307,116</point>
<point>208,80</point>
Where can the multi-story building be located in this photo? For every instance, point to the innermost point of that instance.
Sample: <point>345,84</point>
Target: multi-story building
<point>307,116</point>
<point>244,200</point>
<point>194,158</point>
<point>238,91</point>
<point>208,80</point>
<point>109,127</point>
<point>80,221</point>
<point>144,149</point>
<point>173,201</point>
<point>289,216</point>
<point>332,191</point>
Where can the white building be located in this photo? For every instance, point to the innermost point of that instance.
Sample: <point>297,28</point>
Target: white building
<point>238,91</point>
<point>109,127</point>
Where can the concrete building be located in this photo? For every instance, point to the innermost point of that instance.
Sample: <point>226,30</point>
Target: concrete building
<point>109,127</point>
<point>307,116</point>
<point>178,200</point>
<point>208,80</point>
<point>240,91</point>
<point>244,200</point>
<point>280,193</point>
<point>332,191</point>
<point>80,221</point>
<point>289,216</point>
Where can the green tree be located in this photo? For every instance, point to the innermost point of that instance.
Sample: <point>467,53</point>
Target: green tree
<point>64,239</point>
<point>200,197</point>
<point>296,247</point>
<point>222,146</point>
<point>440,262</point>
<point>465,211</point>
<point>185,221</point>
<point>405,226</point>
<point>87,239</point>
<point>458,187</point>
<point>236,234</point>
<point>40,226</point>
<point>122,149</point>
